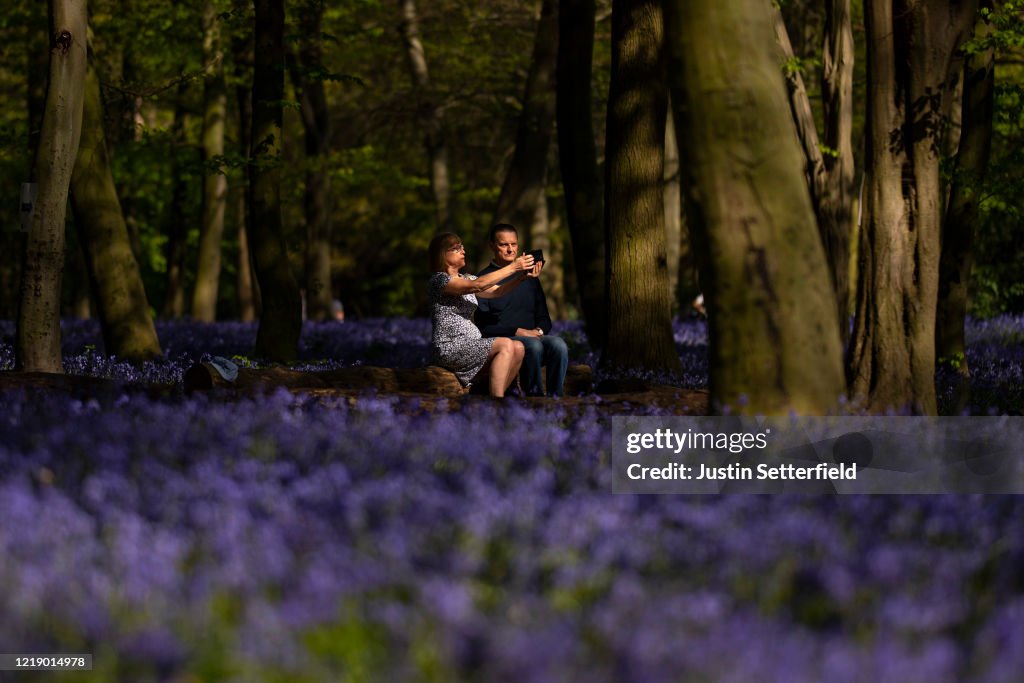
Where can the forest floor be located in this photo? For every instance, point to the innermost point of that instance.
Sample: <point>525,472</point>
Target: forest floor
<point>612,398</point>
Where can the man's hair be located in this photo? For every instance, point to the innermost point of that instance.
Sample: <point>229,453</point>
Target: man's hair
<point>502,227</point>
<point>441,242</point>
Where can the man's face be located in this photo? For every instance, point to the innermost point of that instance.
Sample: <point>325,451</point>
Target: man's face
<point>505,247</point>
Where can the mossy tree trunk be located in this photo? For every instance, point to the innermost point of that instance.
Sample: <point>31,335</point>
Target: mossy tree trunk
<point>128,330</point>
<point>774,340</point>
<point>639,311</point>
<point>215,182</point>
<point>38,336</point>
<point>578,159</point>
<point>281,318</point>
<point>912,72</point>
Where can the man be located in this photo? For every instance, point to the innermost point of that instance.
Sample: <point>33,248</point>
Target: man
<point>523,316</point>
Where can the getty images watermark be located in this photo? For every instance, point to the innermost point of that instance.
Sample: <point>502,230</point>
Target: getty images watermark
<point>709,455</point>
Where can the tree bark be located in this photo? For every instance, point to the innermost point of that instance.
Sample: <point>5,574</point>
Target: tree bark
<point>247,291</point>
<point>836,206</point>
<point>823,174</point>
<point>673,210</point>
<point>526,180</point>
<point>578,160</point>
<point>639,311</point>
<point>316,199</point>
<point>912,70</point>
<point>38,337</point>
<point>215,182</point>
<point>128,330</point>
<point>281,320</point>
<point>175,247</point>
<point>774,341</point>
<point>960,221</point>
<point>430,112</point>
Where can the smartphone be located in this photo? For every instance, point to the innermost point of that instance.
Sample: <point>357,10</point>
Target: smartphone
<point>537,254</point>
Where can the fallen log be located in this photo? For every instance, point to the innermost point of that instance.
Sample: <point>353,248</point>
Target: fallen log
<point>431,380</point>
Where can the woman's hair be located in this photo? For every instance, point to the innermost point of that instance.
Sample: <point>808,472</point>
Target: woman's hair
<point>442,242</point>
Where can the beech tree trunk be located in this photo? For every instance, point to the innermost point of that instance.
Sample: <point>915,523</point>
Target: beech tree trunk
<point>215,182</point>
<point>128,330</point>
<point>430,112</point>
<point>316,200</point>
<point>835,208</point>
<point>960,221</point>
<point>639,312</point>
<point>578,160</point>
<point>824,170</point>
<point>281,319</point>
<point>774,342</point>
<point>912,70</point>
<point>38,336</point>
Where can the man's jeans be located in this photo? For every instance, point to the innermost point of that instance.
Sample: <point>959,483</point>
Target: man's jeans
<point>550,352</point>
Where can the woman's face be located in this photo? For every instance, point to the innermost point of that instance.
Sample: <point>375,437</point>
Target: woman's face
<point>455,256</point>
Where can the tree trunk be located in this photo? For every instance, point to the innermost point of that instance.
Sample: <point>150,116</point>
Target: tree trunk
<point>823,178</point>
<point>281,320</point>
<point>243,53</point>
<point>774,341</point>
<point>38,338</point>
<point>215,182</point>
<point>128,330</point>
<point>836,205</point>
<point>316,200</point>
<point>959,225</point>
<point>175,247</point>
<point>912,69</point>
<point>639,312</point>
<point>430,112</point>
<point>578,160</point>
<point>673,210</point>
<point>525,182</point>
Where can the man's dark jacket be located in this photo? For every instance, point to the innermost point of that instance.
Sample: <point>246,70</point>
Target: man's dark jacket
<point>525,307</point>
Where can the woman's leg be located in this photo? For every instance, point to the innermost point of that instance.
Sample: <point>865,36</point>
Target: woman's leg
<point>518,354</point>
<point>502,365</point>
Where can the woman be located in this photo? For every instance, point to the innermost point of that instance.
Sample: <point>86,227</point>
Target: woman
<point>457,343</point>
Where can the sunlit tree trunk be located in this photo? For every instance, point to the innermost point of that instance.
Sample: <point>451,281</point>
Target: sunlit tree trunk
<point>430,112</point>
<point>128,330</point>
<point>912,69</point>
<point>960,221</point>
<point>578,160</point>
<point>38,337</point>
<point>215,182</point>
<point>639,311</point>
<point>774,341</point>
<point>281,317</point>
<point>524,186</point>
<point>316,124</point>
